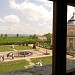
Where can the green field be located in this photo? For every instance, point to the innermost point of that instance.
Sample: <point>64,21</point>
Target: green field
<point>16,40</point>
<point>23,47</point>
<point>45,60</point>
<point>5,48</point>
<point>9,48</point>
<point>12,66</point>
<point>13,39</point>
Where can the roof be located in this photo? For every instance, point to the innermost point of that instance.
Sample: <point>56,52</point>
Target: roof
<point>72,20</point>
<point>42,38</point>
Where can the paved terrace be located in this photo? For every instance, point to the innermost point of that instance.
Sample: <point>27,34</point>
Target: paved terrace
<point>35,54</point>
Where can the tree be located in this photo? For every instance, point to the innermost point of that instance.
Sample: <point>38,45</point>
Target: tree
<point>30,36</point>
<point>34,36</point>
<point>34,46</point>
<point>26,44</point>
<point>5,35</point>
<point>48,36</point>
<point>19,44</point>
<point>17,35</point>
<point>23,43</point>
<point>1,35</point>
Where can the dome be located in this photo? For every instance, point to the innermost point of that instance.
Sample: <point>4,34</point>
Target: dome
<point>72,20</point>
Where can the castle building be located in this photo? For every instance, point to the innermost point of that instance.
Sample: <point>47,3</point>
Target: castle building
<point>71,33</point>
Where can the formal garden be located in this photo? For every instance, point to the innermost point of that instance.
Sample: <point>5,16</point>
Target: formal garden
<point>4,48</point>
<point>20,43</point>
<point>20,64</point>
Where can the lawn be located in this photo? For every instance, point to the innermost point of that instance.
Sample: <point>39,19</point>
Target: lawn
<point>5,48</point>
<point>23,47</point>
<point>12,66</point>
<point>45,60</point>
<point>9,48</point>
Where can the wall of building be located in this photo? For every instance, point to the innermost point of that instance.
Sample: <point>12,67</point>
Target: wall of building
<point>70,35</point>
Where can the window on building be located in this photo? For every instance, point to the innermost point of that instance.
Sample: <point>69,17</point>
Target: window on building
<point>71,33</point>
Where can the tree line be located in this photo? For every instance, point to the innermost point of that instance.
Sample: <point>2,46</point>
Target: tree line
<point>31,39</point>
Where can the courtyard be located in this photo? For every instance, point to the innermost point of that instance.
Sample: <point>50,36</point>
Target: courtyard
<point>27,61</point>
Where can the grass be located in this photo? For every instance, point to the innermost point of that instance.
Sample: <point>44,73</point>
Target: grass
<point>13,39</point>
<point>12,66</point>
<point>23,47</point>
<point>45,60</point>
<point>16,40</point>
<point>4,48</point>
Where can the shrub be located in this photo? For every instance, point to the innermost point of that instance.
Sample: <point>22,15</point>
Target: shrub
<point>34,46</point>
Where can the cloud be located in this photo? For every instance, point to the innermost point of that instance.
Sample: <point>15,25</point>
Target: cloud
<point>46,3</point>
<point>33,18</point>
<point>70,11</point>
<point>31,10</point>
<point>27,0</point>
<point>10,20</point>
<point>0,20</point>
<point>13,19</point>
<point>9,24</point>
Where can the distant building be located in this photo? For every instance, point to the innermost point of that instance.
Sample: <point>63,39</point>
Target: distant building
<point>71,33</point>
<point>42,38</point>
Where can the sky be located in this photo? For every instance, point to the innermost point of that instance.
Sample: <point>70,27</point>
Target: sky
<point>28,16</point>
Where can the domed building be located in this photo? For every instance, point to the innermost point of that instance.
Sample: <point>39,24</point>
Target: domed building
<point>71,33</point>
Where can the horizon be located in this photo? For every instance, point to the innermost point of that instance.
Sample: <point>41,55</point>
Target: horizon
<point>12,34</point>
